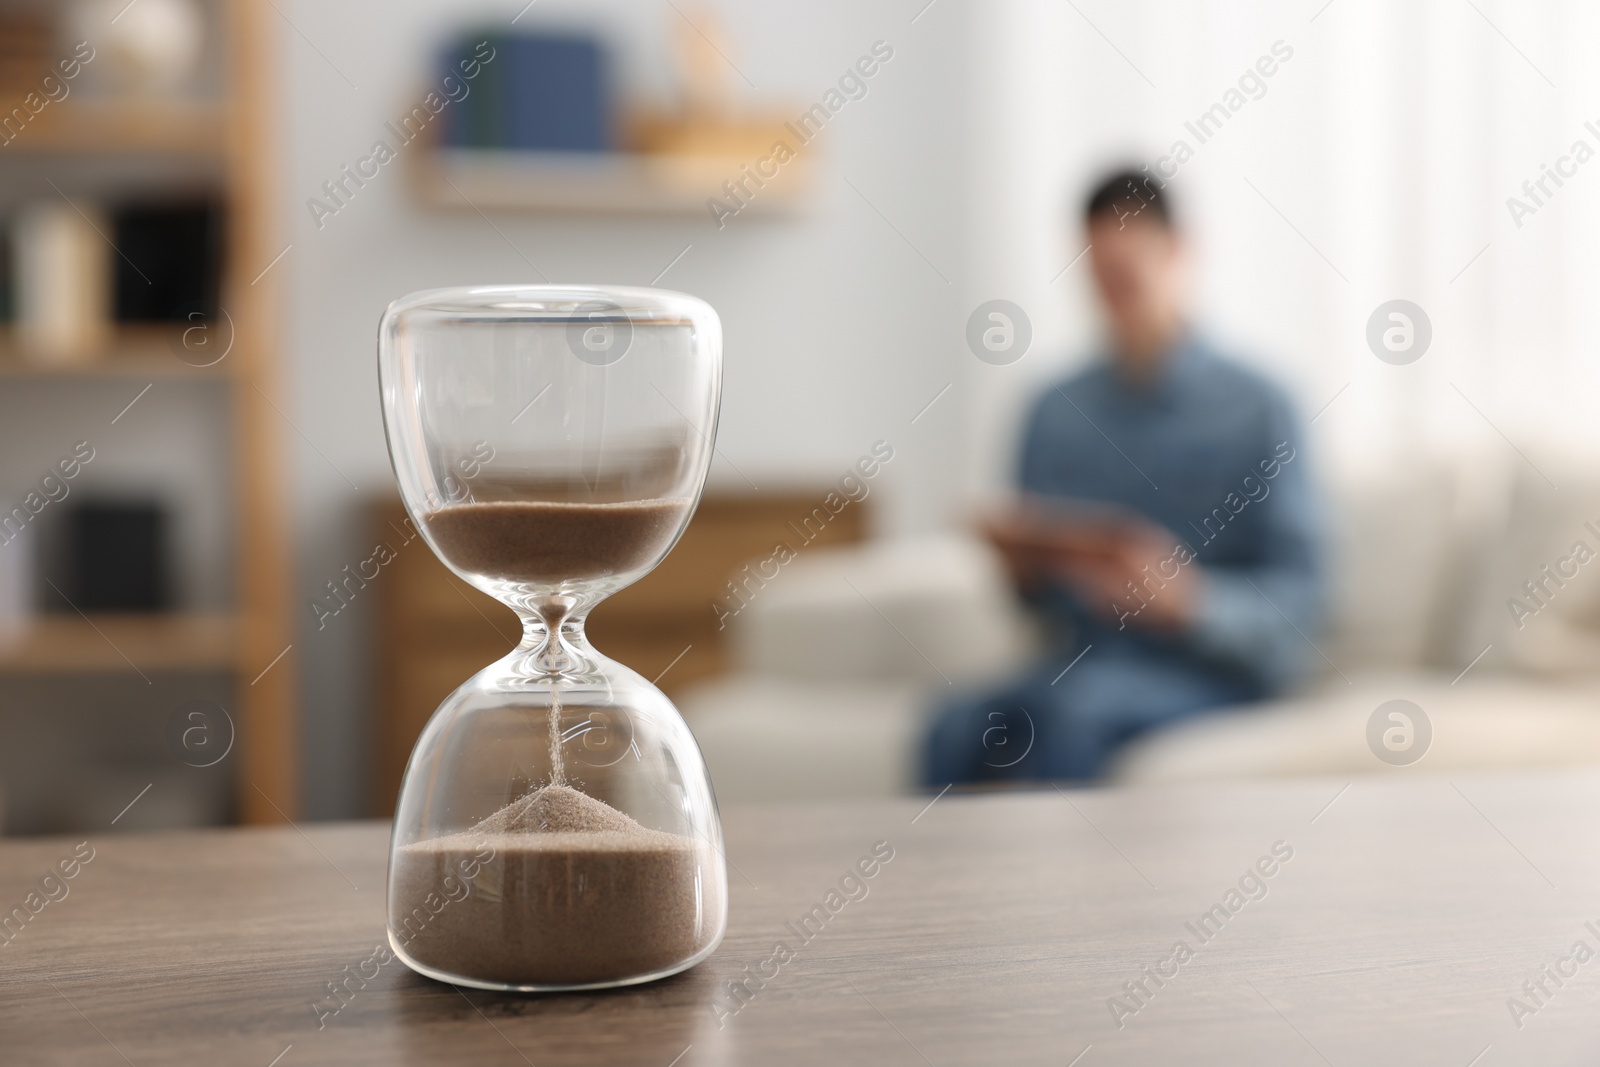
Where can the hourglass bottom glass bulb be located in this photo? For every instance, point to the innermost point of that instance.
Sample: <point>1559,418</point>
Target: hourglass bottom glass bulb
<point>558,889</point>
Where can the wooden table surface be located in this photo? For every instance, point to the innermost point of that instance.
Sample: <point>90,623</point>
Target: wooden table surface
<point>1401,930</point>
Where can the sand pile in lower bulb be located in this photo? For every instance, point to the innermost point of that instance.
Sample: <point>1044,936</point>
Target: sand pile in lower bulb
<point>577,893</point>
<point>557,809</point>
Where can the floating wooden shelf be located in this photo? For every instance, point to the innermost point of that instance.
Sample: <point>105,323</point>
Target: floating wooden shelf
<point>132,352</point>
<point>619,182</point>
<point>75,644</point>
<point>180,127</point>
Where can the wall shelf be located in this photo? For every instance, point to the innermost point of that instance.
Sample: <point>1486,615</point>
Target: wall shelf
<point>132,352</point>
<point>612,183</point>
<point>97,644</point>
<point>76,126</point>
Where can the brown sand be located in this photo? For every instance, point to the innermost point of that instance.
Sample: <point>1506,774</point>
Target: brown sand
<point>558,768</point>
<point>547,541</point>
<point>577,893</point>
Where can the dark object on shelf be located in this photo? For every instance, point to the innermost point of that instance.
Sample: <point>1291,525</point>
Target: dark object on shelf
<point>170,264</point>
<point>116,556</point>
<point>540,92</point>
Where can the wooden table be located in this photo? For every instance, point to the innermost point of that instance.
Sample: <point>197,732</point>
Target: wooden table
<point>1411,910</point>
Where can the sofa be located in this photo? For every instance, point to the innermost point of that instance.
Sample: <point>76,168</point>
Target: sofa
<point>839,661</point>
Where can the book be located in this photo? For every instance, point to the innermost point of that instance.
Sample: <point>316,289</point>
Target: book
<point>557,99</point>
<point>541,92</point>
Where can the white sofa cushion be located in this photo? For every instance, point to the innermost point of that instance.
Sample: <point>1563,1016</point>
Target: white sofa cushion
<point>1389,533</point>
<point>1542,526</point>
<point>1481,721</point>
<point>773,739</point>
<point>933,610</point>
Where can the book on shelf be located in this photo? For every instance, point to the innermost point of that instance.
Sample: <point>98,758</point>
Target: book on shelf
<point>542,92</point>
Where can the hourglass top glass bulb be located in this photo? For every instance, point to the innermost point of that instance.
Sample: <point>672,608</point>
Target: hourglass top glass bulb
<point>548,439</point>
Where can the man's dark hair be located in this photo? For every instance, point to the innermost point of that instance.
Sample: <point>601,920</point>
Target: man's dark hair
<point>1130,191</point>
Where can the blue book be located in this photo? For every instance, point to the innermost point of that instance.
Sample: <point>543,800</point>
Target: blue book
<point>556,98</point>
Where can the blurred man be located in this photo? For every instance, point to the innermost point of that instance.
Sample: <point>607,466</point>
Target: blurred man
<point>1164,528</point>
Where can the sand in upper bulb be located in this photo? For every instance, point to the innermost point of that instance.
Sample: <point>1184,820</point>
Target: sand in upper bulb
<point>547,542</point>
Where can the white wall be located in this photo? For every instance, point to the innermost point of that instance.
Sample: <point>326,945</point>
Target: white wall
<point>837,330</point>
<point>1387,147</point>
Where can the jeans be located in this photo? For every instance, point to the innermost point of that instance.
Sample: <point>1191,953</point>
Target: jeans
<point>1053,726</point>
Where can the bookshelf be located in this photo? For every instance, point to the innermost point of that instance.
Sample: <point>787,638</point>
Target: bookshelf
<point>98,644</point>
<point>133,352</point>
<point>231,135</point>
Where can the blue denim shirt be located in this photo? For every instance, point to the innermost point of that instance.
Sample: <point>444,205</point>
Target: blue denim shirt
<point>1212,451</point>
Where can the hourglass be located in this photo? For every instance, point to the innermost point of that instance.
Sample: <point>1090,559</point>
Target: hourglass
<point>556,828</point>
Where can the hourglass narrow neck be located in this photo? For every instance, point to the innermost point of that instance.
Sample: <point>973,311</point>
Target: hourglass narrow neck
<point>553,639</point>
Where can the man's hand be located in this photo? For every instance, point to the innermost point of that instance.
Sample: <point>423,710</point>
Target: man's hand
<point>1130,570</point>
<point>1143,579</point>
<point>1016,538</point>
